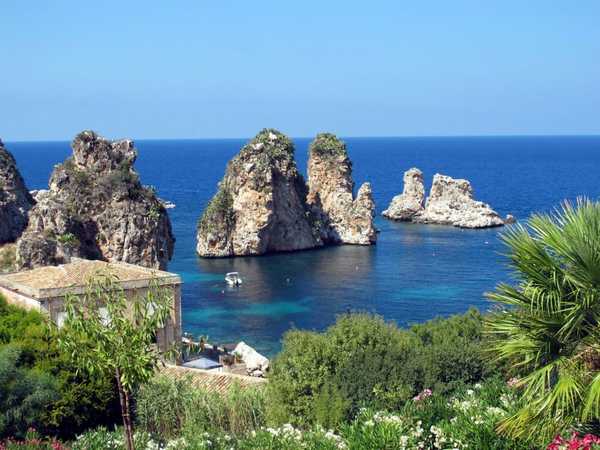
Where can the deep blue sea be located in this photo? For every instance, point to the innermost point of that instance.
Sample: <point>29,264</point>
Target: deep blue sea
<point>414,273</point>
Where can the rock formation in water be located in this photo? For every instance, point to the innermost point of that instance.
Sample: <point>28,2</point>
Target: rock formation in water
<point>96,208</point>
<point>263,205</point>
<point>450,202</point>
<point>411,202</point>
<point>260,206</point>
<point>15,200</point>
<point>343,219</point>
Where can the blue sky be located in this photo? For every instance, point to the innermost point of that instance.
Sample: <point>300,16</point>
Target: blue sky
<point>225,68</point>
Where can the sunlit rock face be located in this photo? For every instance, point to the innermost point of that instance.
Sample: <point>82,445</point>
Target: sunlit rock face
<point>264,205</point>
<point>450,202</point>
<point>97,208</point>
<point>15,200</point>
<point>411,202</point>
<point>344,219</point>
<point>260,205</point>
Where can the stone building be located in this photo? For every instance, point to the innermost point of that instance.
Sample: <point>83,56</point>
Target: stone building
<point>44,289</point>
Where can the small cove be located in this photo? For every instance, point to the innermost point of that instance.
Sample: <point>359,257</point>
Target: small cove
<point>414,273</point>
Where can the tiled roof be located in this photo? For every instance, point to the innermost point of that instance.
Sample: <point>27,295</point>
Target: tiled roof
<point>211,380</point>
<point>46,281</point>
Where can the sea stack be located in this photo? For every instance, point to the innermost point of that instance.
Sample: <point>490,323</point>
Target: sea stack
<point>343,219</point>
<point>260,205</point>
<point>263,204</point>
<point>96,208</point>
<point>15,200</point>
<point>411,202</point>
<point>450,202</point>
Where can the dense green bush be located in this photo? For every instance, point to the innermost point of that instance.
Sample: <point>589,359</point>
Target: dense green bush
<point>80,402</point>
<point>362,360</point>
<point>451,352</point>
<point>24,394</point>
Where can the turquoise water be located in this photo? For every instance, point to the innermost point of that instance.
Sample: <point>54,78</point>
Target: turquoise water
<point>414,273</point>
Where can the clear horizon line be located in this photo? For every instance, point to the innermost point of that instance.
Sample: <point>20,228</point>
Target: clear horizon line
<point>407,136</point>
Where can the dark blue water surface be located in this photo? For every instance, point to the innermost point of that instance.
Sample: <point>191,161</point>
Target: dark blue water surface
<point>415,272</point>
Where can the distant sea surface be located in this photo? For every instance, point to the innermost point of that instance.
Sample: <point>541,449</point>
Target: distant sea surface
<point>414,273</point>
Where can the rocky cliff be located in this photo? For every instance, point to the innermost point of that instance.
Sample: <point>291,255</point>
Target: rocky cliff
<point>450,202</point>
<point>15,200</point>
<point>96,208</point>
<point>411,202</point>
<point>260,205</point>
<point>343,219</point>
<point>263,204</point>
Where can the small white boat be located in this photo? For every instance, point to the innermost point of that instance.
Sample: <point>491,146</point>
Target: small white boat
<point>233,279</point>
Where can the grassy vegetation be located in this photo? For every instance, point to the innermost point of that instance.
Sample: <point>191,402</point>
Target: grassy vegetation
<point>328,145</point>
<point>218,211</point>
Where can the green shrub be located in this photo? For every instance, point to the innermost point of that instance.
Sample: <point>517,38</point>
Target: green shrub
<point>167,408</point>
<point>367,362</point>
<point>331,407</point>
<point>304,365</point>
<point>160,406</point>
<point>451,352</point>
<point>24,394</point>
<point>81,401</point>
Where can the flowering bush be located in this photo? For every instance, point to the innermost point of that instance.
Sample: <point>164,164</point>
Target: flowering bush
<point>430,421</point>
<point>32,442</point>
<point>575,442</point>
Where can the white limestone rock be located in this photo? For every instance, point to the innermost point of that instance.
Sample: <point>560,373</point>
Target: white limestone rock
<point>412,200</point>
<point>451,202</point>
<point>254,361</point>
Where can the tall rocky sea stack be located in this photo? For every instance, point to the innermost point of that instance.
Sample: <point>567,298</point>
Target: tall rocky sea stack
<point>261,204</point>
<point>15,200</point>
<point>345,220</point>
<point>96,208</point>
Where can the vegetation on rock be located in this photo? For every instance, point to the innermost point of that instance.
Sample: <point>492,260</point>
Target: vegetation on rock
<point>328,144</point>
<point>218,210</point>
